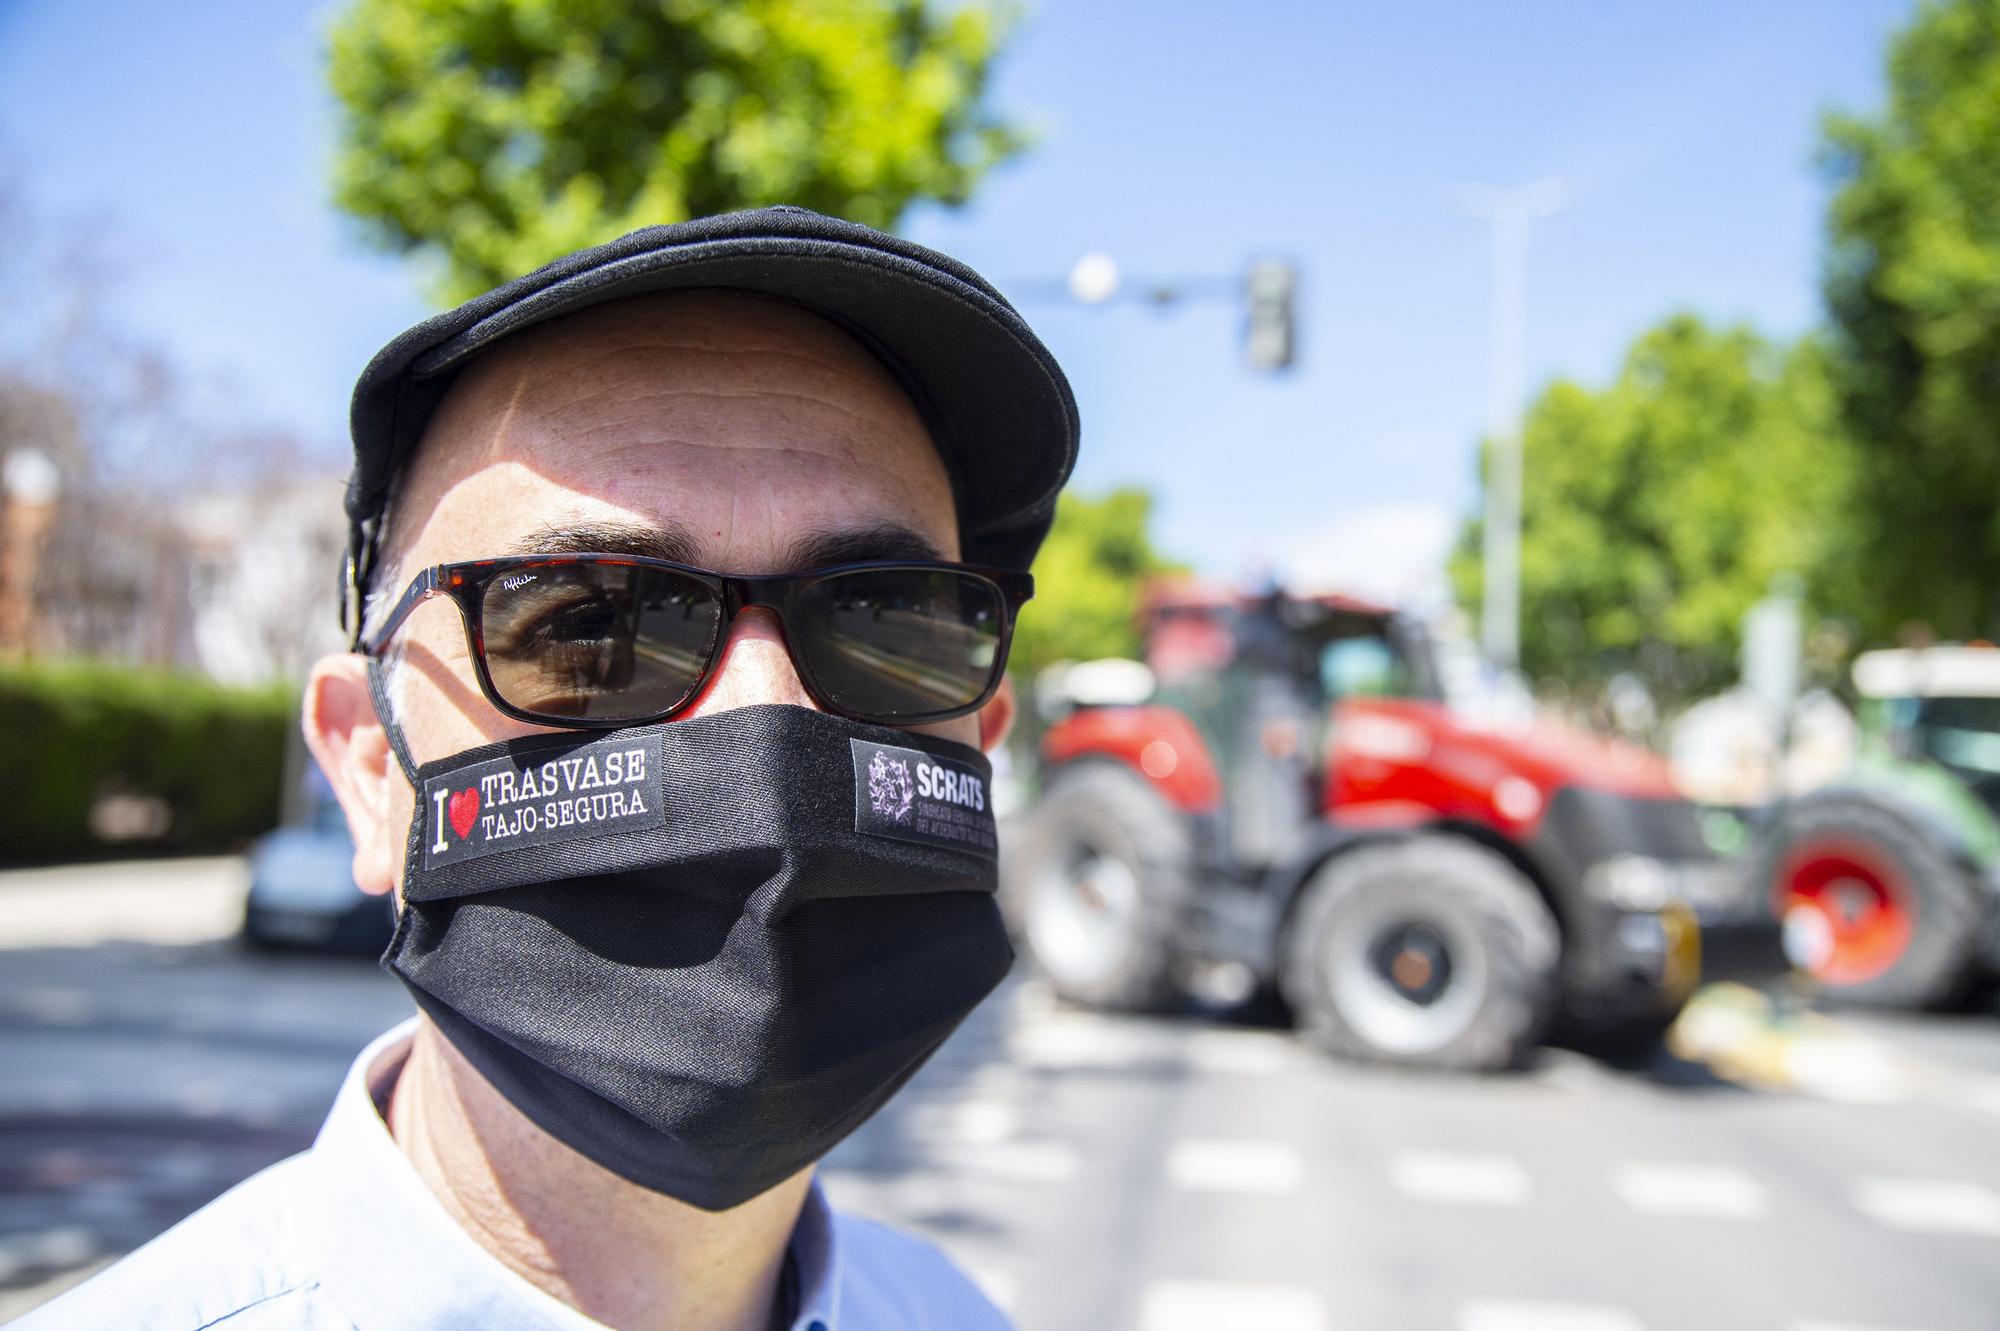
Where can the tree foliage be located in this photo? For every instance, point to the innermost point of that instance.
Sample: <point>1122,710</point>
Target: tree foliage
<point>1913,286</point>
<point>490,136</point>
<point>1088,579</point>
<point>1656,511</point>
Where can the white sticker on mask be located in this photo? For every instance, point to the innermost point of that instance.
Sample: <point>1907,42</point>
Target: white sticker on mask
<point>911,795</point>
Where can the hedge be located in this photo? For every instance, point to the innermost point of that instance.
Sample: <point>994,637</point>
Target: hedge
<point>74,733</point>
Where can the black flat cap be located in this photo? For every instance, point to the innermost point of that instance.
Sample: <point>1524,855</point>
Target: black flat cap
<point>997,405</point>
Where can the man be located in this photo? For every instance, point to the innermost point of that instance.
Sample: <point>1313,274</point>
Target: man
<point>681,580</point>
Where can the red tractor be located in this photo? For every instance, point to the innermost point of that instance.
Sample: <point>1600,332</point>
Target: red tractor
<point>1282,795</point>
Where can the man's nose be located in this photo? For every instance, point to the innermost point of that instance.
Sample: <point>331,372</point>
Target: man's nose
<point>755,668</point>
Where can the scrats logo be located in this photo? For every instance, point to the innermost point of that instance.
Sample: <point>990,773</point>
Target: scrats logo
<point>960,788</point>
<point>890,791</point>
<point>893,789</point>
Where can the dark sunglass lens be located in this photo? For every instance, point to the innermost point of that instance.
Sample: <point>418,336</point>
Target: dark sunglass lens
<point>890,644</point>
<point>600,642</point>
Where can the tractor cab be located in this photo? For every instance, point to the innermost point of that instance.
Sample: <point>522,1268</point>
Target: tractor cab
<point>1262,677</point>
<point>1937,706</point>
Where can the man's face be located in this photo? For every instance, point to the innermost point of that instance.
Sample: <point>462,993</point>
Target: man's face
<point>725,431</point>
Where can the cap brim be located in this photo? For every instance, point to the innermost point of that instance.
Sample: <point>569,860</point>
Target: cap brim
<point>998,406</point>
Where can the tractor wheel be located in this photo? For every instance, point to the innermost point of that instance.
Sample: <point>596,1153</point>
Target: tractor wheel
<point>1097,881</point>
<point>1875,909</point>
<point>1430,951</point>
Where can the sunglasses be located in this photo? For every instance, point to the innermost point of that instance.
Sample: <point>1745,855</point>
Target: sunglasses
<point>594,641</point>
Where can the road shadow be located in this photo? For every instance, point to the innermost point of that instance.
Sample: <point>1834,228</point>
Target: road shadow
<point>145,1079</point>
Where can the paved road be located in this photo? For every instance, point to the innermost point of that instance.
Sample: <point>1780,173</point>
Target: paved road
<point>1118,1174</point>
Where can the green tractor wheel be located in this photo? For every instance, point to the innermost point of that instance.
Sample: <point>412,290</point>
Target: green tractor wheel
<point>1877,908</point>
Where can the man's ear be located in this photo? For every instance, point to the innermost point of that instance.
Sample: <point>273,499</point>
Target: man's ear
<point>352,749</point>
<point>996,718</point>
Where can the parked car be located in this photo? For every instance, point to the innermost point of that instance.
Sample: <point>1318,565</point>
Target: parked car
<point>302,889</point>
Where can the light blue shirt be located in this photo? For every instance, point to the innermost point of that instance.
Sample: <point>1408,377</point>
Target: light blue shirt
<point>346,1237</point>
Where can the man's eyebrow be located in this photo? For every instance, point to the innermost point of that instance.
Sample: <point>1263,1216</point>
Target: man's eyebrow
<point>669,541</point>
<point>857,544</point>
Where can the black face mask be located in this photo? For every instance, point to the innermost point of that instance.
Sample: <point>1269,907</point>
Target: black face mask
<point>701,953</point>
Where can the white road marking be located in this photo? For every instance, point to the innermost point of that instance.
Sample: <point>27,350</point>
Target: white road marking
<point>1812,1325</point>
<point>1519,1315</point>
<point>1463,1178</point>
<point>1015,1162</point>
<point>996,1285</point>
<point>1849,1069</point>
<point>1074,1039</point>
<point>1693,1190</point>
<point>982,1122</point>
<point>1175,1305</point>
<point>57,1006</point>
<point>56,1249</point>
<point>1983,1093</point>
<point>1570,1071</point>
<point>1239,1053</point>
<point>1933,1206</point>
<point>1033,999</point>
<point>205,1097</point>
<point>1235,1166</point>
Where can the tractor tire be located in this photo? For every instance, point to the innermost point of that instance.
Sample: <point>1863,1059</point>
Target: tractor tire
<point>1096,883</point>
<point>1877,909</point>
<point>1430,951</point>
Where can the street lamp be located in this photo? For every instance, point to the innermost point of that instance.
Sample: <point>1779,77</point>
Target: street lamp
<point>1094,279</point>
<point>1510,211</point>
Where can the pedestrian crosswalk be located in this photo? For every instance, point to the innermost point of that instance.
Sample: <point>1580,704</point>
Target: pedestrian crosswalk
<point>1846,1326</point>
<point>1236,1166</point>
<point>1461,1178</point>
<point>1450,1171</point>
<point>1522,1315</point>
<point>1242,1053</point>
<point>1669,1188</point>
<point>1183,1305</point>
<point>1934,1206</point>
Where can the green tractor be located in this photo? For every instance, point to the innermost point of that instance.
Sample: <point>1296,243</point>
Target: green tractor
<point>1888,880</point>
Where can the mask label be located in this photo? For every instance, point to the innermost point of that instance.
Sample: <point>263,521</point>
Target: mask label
<point>910,795</point>
<point>506,803</point>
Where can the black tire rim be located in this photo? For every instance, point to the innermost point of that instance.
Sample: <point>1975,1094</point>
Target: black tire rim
<point>1414,960</point>
<point>1445,974</point>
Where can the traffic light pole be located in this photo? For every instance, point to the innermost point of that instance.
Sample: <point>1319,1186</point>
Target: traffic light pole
<point>1267,292</point>
<point>1510,212</point>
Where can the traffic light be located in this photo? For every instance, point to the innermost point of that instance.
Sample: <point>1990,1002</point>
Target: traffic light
<point>1270,331</point>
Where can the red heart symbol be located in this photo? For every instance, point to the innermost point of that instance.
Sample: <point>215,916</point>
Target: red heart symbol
<point>464,809</point>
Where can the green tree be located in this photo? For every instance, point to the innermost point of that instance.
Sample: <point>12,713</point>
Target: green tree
<point>489,136</point>
<point>1912,282</point>
<point>1088,579</point>
<point>1656,511</point>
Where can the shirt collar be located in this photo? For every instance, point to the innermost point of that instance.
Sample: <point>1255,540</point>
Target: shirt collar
<point>390,1256</point>
<point>815,1255</point>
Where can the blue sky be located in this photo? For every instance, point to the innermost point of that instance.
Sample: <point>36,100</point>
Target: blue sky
<point>1182,138</point>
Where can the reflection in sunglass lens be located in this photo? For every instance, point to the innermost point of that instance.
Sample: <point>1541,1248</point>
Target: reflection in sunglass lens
<point>604,642</point>
<point>889,644</point>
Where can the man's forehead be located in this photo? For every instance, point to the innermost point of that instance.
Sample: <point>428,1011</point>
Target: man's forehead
<point>731,425</point>
<point>679,338</point>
